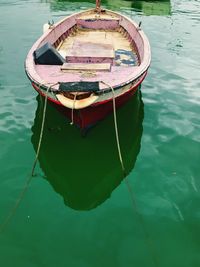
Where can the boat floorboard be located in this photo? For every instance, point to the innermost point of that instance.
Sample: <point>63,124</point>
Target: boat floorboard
<point>114,39</point>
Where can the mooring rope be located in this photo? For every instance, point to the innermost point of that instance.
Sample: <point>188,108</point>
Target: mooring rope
<point>149,242</point>
<point>133,201</point>
<point>72,114</point>
<point>19,199</point>
<point>42,129</point>
<point>116,127</point>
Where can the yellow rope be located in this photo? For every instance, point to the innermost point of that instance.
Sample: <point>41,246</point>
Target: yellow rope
<point>116,127</point>
<point>19,199</point>
<point>41,131</point>
<point>149,242</point>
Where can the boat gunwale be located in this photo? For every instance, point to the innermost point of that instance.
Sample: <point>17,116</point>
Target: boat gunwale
<point>134,88</point>
<point>99,92</point>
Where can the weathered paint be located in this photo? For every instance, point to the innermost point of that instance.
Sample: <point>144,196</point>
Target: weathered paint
<point>134,34</point>
<point>104,97</point>
<point>74,59</point>
<point>118,75</point>
<point>100,24</point>
<point>90,52</point>
<point>89,116</point>
<point>124,79</point>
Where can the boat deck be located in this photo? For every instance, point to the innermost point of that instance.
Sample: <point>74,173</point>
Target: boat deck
<point>93,55</point>
<point>96,46</point>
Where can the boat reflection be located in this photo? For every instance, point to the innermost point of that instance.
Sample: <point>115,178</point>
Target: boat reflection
<point>147,7</point>
<point>85,170</point>
<point>151,7</point>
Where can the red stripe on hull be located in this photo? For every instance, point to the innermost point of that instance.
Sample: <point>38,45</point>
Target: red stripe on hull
<point>89,116</point>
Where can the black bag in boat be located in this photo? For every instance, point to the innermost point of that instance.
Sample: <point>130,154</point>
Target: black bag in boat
<point>48,55</point>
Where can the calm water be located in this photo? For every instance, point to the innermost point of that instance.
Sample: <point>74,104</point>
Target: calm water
<point>78,210</point>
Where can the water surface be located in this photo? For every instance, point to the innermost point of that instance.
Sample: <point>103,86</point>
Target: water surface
<point>78,210</point>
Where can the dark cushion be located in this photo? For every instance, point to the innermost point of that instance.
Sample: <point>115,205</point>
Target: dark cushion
<point>48,55</point>
<point>79,86</point>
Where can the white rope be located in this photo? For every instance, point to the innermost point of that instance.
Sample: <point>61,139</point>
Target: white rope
<point>116,127</point>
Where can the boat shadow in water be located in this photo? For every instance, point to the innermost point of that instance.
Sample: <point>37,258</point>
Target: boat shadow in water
<point>85,171</point>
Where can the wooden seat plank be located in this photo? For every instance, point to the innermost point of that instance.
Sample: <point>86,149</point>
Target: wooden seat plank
<point>87,66</point>
<point>90,49</point>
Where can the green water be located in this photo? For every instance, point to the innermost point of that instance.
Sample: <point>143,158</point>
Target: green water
<point>78,210</point>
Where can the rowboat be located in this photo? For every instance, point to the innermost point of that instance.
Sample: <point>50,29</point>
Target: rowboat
<point>87,60</point>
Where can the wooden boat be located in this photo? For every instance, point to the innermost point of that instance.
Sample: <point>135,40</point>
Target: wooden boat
<point>88,59</point>
<point>97,176</point>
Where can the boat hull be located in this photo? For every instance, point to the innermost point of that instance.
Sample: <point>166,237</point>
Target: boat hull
<point>87,117</point>
<point>82,76</point>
